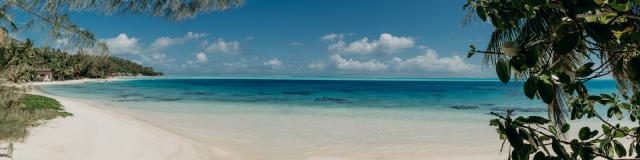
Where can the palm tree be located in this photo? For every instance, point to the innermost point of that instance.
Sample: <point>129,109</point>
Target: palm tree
<point>539,31</point>
<point>53,15</point>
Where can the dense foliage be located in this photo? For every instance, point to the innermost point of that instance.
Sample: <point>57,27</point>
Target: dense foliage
<point>558,46</point>
<point>21,62</point>
<point>52,16</point>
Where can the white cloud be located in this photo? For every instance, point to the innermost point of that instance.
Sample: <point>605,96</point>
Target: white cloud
<point>430,61</point>
<point>386,43</point>
<point>332,37</point>
<point>319,66</point>
<point>122,44</point>
<point>236,65</point>
<point>274,63</point>
<point>221,46</point>
<point>353,65</point>
<point>164,42</point>
<point>157,59</point>
<point>201,57</point>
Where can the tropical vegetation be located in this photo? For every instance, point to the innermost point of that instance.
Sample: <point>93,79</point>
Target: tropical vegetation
<point>52,18</point>
<point>22,62</point>
<point>20,112</point>
<point>556,47</point>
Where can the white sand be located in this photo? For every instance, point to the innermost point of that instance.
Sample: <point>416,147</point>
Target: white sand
<point>95,134</point>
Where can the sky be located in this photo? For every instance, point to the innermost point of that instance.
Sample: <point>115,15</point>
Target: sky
<point>400,38</point>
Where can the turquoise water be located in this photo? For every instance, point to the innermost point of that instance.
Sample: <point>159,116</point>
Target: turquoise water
<point>477,95</point>
<point>307,118</point>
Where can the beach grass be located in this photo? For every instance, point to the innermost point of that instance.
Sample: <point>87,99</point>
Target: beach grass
<point>42,103</point>
<point>19,112</point>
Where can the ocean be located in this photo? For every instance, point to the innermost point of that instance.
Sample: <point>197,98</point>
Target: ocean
<point>321,118</point>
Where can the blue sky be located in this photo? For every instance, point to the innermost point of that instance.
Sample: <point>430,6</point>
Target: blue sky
<point>416,38</point>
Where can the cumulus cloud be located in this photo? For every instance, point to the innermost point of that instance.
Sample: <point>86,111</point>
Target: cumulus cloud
<point>332,37</point>
<point>236,65</point>
<point>164,42</point>
<point>201,57</point>
<point>354,65</point>
<point>318,66</point>
<point>122,44</point>
<point>157,59</point>
<point>222,46</point>
<point>274,63</point>
<point>430,61</point>
<point>386,43</point>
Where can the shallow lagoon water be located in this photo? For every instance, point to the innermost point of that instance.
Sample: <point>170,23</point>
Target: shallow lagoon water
<point>321,119</point>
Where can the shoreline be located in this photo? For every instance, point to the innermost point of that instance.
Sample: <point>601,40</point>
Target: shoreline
<point>96,133</point>
<point>195,145</point>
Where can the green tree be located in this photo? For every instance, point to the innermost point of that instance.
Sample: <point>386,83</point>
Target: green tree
<point>52,16</point>
<point>557,46</point>
<point>17,60</point>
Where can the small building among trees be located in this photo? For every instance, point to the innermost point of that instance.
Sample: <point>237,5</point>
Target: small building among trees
<point>44,74</point>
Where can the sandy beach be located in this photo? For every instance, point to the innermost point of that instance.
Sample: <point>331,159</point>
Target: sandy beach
<point>94,133</point>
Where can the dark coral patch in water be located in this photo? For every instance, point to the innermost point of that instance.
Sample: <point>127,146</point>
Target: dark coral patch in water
<point>304,93</point>
<point>198,93</point>
<point>463,107</point>
<point>331,99</point>
<point>517,109</point>
<point>169,99</point>
<point>128,95</point>
<point>130,100</point>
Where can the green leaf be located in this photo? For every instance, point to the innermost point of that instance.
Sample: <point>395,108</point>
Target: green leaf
<point>585,70</point>
<point>545,89</point>
<point>539,156</point>
<point>530,87</point>
<point>621,5</point>
<point>599,32</point>
<point>503,70</point>
<point>481,13</point>
<point>585,133</point>
<point>537,2</point>
<point>494,122</point>
<point>566,39</point>
<point>615,111</point>
<point>619,148</point>
<point>559,149</point>
<point>637,147</point>
<point>536,120</point>
<point>633,69</point>
<point>565,128</point>
<point>514,138</point>
<point>531,56</point>
<point>564,78</point>
<point>583,6</point>
<point>472,51</point>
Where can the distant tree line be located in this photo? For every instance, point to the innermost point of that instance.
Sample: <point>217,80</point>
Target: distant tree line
<point>22,62</point>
